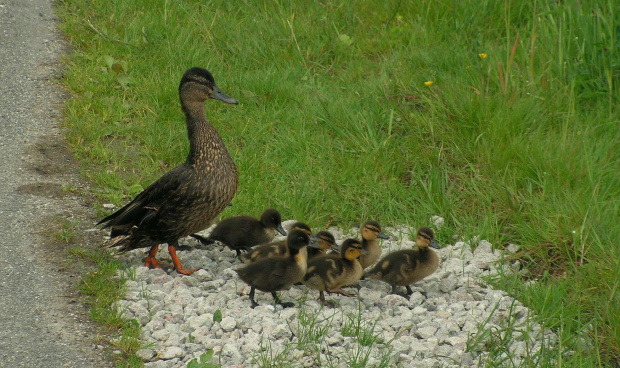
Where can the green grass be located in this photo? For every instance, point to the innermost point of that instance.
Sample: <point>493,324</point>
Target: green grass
<point>335,124</point>
<point>102,289</point>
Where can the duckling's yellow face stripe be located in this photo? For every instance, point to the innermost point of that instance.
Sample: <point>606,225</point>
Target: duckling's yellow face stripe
<point>425,236</point>
<point>372,228</point>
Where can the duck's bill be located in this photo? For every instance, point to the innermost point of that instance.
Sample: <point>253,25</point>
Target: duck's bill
<point>434,244</point>
<point>313,245</point>
<point>281,230</point>
<point>365,252</point>
<point>336,248</point>
<point>383,235</point>
<point>219,95</point>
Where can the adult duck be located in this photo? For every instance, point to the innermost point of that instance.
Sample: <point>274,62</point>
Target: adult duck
<point>186,199</point>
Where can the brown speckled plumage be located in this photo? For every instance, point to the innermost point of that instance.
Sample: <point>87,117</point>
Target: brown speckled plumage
<point>273,249</point>
<point>371,233</point>
<point>186,199</point>
<point>404,267</point>
<point>331,272</point>
<point>278,273</point>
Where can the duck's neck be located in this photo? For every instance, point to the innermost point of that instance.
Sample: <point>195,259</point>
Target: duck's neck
<point>205,144</point>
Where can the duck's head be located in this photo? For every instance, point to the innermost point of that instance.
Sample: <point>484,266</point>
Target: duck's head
<point>425,238</point>
<point>327,240</point>
<point>271,218</point>
<point>351,249</point>
<point>298,238</point>
<point>198,84</point>
<point>301,226</point>
<point>372,231</point>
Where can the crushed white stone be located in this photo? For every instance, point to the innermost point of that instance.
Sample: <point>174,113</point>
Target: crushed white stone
<point>435,327</point>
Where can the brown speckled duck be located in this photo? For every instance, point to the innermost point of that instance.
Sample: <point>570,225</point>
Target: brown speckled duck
<point>279,273</point>
<point>331,272</point>
<point>243,232</point>
<point>404,267</point>
<point>186,199</point>
<point>274,249</point>
<point>371,233</point>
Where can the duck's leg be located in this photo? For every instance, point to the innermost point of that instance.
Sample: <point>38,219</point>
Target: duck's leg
<point>177,262</point>
<point>254,303</point>
<point>152,262</point>
<point>409,291</point>
<point>326,303</point>
<point>279,301</point>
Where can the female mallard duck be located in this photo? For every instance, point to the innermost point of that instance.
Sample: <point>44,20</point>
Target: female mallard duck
<point>279,273</point>
<point>187,198</point>
<point>404,267</point>
<point>243,232</point>
<point>274,249</point>
<point>371,233</point>
<point>331,272</point>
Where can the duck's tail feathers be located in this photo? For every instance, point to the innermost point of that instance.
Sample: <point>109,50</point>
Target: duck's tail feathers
<point>203,240</point>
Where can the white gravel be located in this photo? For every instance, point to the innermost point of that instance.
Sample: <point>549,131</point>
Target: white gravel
<point>440,325</point>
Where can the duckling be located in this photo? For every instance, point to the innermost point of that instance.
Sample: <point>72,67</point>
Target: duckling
<point>243,232</point>
<point>274,249</point>
<point>279,273</point>
<point>371,232</point>
<point>331,272</point>
<point>327,241</point>
<point>186,199</point>
<point>404,267</point>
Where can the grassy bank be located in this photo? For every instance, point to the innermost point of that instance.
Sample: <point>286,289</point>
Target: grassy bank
<point>516,139</point>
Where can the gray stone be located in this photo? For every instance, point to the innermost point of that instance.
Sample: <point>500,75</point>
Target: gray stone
<point>228,324</point>
<point>171,352</point>
<point>145,354</point>
<point>425,332</point>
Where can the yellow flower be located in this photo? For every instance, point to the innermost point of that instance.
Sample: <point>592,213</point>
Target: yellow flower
<point>428,83</point>
<point>482,55</point>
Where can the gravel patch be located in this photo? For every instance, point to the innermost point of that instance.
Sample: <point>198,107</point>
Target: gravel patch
<point>446,322</point>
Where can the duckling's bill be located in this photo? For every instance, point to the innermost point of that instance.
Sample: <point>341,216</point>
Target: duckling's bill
<point>434,244</point>
<point>217,94</point>
<point>281,230</point>
<point>313,242</point>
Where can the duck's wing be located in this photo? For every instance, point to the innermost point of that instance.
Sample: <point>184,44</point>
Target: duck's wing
<point>143,208</point>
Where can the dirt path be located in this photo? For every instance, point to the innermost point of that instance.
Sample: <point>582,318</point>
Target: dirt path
<point>42,322</point>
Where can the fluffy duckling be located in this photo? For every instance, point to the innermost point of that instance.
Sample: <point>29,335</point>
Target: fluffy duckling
<point>404,267</point>
<point>279,273</point>
<point>327,241</point>
<point>243,232</point>
<point>331,272</point>
<point>371,233</point>
<point>186,199</point>
<point>273,249</point>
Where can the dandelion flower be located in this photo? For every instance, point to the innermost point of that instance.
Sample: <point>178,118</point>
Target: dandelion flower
<point>428,83</point>
<point>482,55</point>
